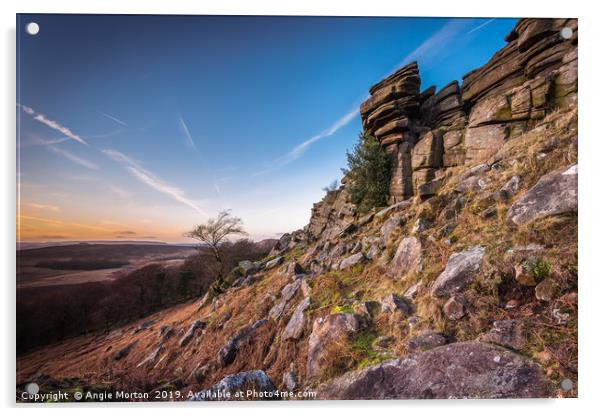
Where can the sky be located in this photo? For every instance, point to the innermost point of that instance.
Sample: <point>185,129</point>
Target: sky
<point>140,127</point>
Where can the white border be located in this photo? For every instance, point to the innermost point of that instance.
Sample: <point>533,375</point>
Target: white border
<point>590,153</point>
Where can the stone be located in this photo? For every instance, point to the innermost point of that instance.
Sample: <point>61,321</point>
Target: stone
<point>407,257</point>
<point>452,139</point>
<point>461,269</point>
<point>286,295</point>
<point>352,261</point>
<point>461,370</point>
<point>394,303</point>
<point>274,262</point>
<point>523,277</point>
<point>508,333</point>
<point>494,109</point>
<point>425,340</point>
<point>367,309</point>
<point>248,267</point>
<point>124,352</point>
<point>483,142</point>
<point>555,193</point>
<point>399,206</point>
<point>428,151</point>
<point>227,354</point>
<point>430,188</point>
<point>255,381</point>
<point>413,290</point>
<point>383,342</point>
<point>420,226</point>
<point>327,331</point>
<point>289,379</point>
<point>510,188</point>
<point>294,327</point>
<point>454,308</point>
<point>191,332</point>
<point>389,226</point>
<point>545,290</point>
<point>293,269</point>
<point>469,185</point>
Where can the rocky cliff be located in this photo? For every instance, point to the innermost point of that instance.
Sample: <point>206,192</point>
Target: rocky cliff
<point>464,286</point>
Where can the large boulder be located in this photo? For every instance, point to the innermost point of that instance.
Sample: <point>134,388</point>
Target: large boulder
<point>462,370</point>
<point>352,260</point>
<point>407,257</point>
<point>555,193</point>
<point>327,331</point>
<point>294,327</point>
<point>286,294</point>
<point>460,271</point>
<point>248,385</point>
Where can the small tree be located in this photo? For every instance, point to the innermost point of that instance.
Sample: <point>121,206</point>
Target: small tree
<point>369,174</point>
<point>215,232</point>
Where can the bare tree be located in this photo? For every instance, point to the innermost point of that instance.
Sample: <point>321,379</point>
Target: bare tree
<point>334,185</point>
<point>215,232</point>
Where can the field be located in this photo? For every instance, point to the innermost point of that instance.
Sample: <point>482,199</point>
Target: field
<point>91,262</point>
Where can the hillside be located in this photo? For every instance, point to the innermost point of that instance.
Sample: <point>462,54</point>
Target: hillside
<point>464,286</point>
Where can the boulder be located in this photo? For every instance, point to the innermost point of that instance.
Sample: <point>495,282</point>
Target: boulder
<point>194,327</point>
<point>407,257</point>
<point>326,331</point>
<point>294,327</point>
<point>454,308</point>
<point>286,294</point>
<point>555,193</point>
<point>390,225</point>
<point>509,189</point>
<point>425,340</point>
<point>394,303</point>
<point>248,267</point>
<point>274,262</point>
<point>248,385</point>
<point>461,370</point>
<point>545,290</point>
<point>461,269</point>
<point>352,261</point>
<point>508,333</point>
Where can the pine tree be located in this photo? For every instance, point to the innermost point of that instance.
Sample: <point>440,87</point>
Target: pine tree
<point>368,173</point>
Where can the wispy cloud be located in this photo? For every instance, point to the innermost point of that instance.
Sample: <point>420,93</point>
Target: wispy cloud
<point>430,46</point>
<point>52,124</point>
<point>186,132</point>
<point>435,43</point>
<point>152,181</point>
<point>115,119</point>
<point>73,158</point>
<point>44,207</point>
<point>481,26</point>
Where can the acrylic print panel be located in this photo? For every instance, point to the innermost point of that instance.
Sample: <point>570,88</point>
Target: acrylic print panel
<point>296,208</point>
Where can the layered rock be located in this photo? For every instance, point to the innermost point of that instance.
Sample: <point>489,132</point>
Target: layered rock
<point>427,133</point>
<point>460,370</point>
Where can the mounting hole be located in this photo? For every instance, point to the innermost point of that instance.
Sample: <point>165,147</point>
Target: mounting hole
<point>32,28</point>
<point>566,32</point>
<point>32,388</point>
<point>566,384</point>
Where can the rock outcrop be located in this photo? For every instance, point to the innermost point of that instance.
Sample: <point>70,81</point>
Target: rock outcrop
<point>428,132</point>
<point>461,370</point>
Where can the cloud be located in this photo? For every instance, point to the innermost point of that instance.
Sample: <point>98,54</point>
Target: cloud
<point>152,181</point>
<point>481,26</point>
<point>115,119</point>
<point>52,124</point>
<point>434,43</point>
<point>75,159</point>
<point>430,46</point>
<point>43,207</point>
<point>186,132</point>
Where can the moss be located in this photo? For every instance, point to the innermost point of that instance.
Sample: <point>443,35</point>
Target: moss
<point>341,309</point>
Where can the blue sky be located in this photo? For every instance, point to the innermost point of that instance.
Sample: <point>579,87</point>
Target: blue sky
<point>138,127</point>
